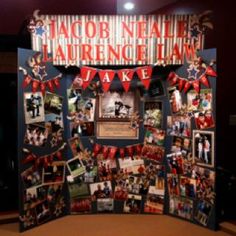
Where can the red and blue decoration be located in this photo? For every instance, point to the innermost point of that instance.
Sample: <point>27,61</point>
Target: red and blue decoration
<point>197,74</point>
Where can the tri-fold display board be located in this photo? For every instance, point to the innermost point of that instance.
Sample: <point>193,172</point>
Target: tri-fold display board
<point>116,114</point>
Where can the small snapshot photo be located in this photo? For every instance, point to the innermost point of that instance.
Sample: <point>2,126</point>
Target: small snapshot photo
<point>175,99</point>
<point>121,193</point>
<point>32,177</point>
<point>133,204</point>
<point>187,187</point>
<point>107,169</point>
<point>91,168</point>
<point>43,212</point>
<point>105,205</point>
<point>81,205</point>
<point>101,190</point>
<point>75,167</point>
<point>28,219</point>
<point>154,204</point>
<point>203,148</point>
<point>179,125</point>
<point>77,187</point>
<point>76,145</point>
<point>131,165</point>
<point>82,107</point>
<point>153,114</point>
<point>154,136</point>
<point>182,207</point>
<point>83,129</point>
<point>204,120</point>
<point>54,173</point>
<point>117,105</point>
<point>36,135</point>
<point>53,103</point>
<point>34,107</point>
<point>176,163</point>
<point>205,189</point>
<point>203,212</point>
<point>199,101</point>
<point>173,184</point>
<point>151,152</point>
<point>54,122</point>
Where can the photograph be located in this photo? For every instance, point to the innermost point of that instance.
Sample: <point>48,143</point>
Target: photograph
<point>54,173</point>
<point>101,190</point>
<point>83,108</point>
<point>203,148</point>
<point>82,129</point>
<point>151,152</point>
<point>75,167</point>
<point>54,122</point>
<point>205,183</point>
<point>105,205</point>
<point>152,114</point>
<point>180,143</point>
<point>179,125</point>
<point>121,192</point>
<point>107,168</point>
<point>42,212</point>
<point>175,99</point>
<point>91,168</point>
<point>154,204</point>
<point>175,163</point>
<point>204,120</point>
<point>173,184</point>
<point>131,165</point>
<point>181,207</point>
<point>77,187</point>
<point>36,135</point>
<point>81,205</point>
<point>133,204</point>
<point>154,136</point>
<point>187,187</point>
<point>31,177</point>
<point>76,145</point>
<point>203,212</point>
<point>199,101</point>
<point>34,107</point>
<point>117,105</point>
<point>28,219</point>
<point>53,103</point>
<point>137,185</point>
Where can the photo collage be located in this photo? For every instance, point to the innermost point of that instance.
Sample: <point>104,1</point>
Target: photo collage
<point>190,158</point>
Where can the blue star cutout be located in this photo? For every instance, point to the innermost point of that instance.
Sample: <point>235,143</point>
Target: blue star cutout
<point>39,31</point>
<point>192,72</point>
<point>195,32</point>
<point>39,71</point>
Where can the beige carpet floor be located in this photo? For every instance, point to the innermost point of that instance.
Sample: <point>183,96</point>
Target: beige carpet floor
<point>114,225</point>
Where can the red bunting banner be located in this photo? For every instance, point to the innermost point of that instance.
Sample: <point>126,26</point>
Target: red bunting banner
<point>186,84</point>
<point>125,77</point>
<point>145,74</point>
<point>87,74</point>
<point>106,77</point>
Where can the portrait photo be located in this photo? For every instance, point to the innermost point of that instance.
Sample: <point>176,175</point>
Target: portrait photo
<point>152,114</point>
<point>175,99</point>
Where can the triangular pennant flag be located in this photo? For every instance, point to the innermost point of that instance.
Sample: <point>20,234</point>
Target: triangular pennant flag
<point>210,71</point>
<point>125,77</point>
<point>56,82</point>
<point>112,152</point>
<point>187,86</point>
<point>26,81</point>
<point>204,81</point>
<point>96,149</point>
<point>181,84</point>
<point>105,150</point>
<point>145,74</point>
<point>50,85</point>
<point>171,75</point>
<point>35,85</point>
<point>87,74</point>
<point>174,80</point>
<point>106,77</point>
<point>43,87</point>
<point>122,153</point>
<point>196,85</point>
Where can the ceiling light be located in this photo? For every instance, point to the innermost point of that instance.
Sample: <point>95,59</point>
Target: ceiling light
<point>129,6</point>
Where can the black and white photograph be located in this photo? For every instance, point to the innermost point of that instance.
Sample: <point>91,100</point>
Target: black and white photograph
<point>34,107</point>
<point>203,148</point>
<point>153,114</point>
<point>53,103</point>
<point>117,105</point>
